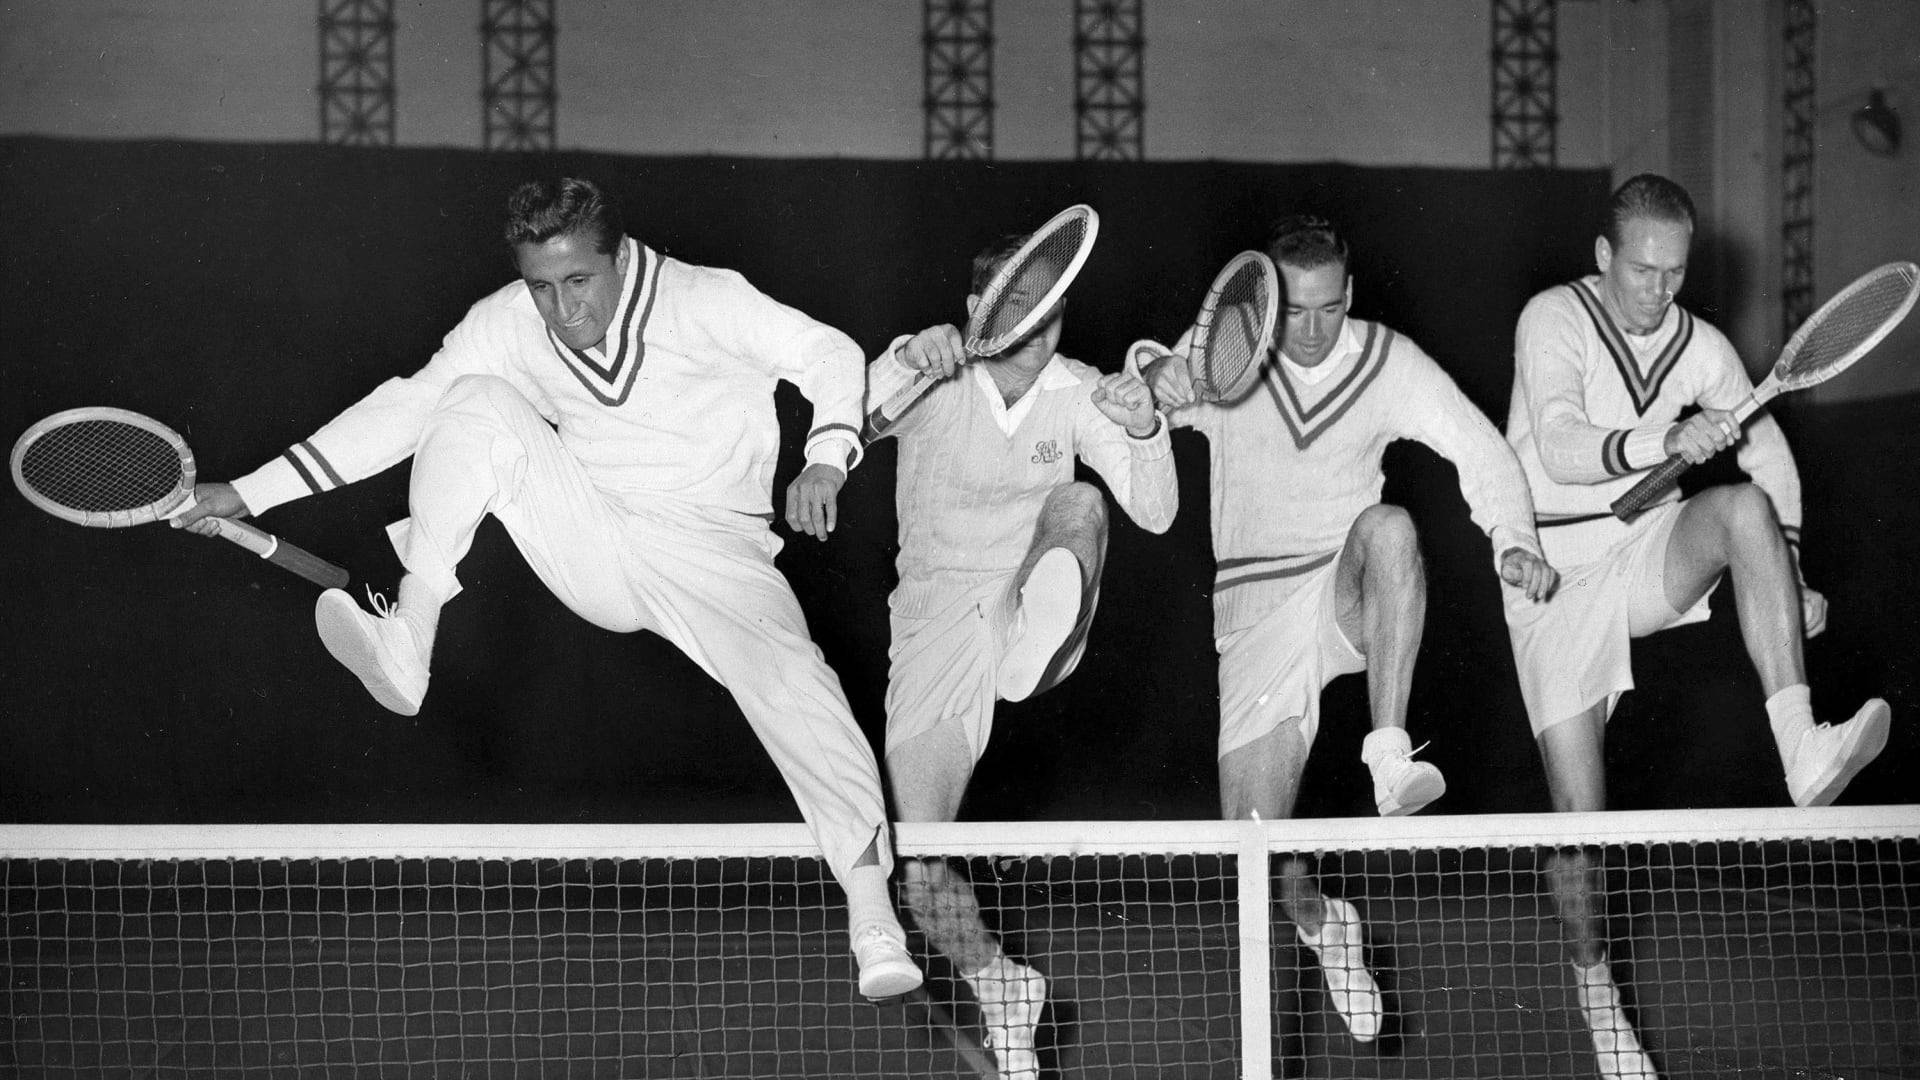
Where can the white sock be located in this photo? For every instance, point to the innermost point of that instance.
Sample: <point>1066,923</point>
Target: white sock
<point>999,969</point>
<point>1382,743</point>
<point>869,903</point>
<point>420,604</point>
<point>1790,714</point>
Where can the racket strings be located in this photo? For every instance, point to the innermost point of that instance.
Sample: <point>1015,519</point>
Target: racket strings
<point>102,466</point>
<point>1851,323</point>
<point>1028,283</point>
<point>1227,338</point>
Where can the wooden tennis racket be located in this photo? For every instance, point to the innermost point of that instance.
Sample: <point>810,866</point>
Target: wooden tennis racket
<point>1845,329</point>
<point>1021,293</point>
<point>110,468</point>
<point>1233,332</point>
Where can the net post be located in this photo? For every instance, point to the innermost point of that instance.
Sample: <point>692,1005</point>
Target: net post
<point>1256,953</point>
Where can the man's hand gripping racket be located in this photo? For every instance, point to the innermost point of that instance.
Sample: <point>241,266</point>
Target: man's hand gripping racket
<point>1019,297</point>
<point>1231,339</point>
<point>110,468</point>
<point>1845,329</point>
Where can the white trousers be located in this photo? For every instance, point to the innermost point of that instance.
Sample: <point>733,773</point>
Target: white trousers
<point>707,586</point>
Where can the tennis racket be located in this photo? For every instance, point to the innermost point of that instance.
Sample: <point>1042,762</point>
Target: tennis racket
<point>1021,294</point>
<point>1232,333</point>
<point>110,468</point>
<point>1845,329</point>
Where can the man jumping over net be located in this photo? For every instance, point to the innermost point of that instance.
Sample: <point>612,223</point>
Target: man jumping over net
<point>1603,368</point>
<point>1000,558</point>
<point>613,409</point>
<point>1318,578</point>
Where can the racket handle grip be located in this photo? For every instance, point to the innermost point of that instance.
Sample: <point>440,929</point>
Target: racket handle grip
<point>286,556</point>
<point>896,405</point>
<point>1667,473</point>
<point>1651,486</point>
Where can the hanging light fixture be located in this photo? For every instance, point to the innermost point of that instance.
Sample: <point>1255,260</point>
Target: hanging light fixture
<point>1876,125</point>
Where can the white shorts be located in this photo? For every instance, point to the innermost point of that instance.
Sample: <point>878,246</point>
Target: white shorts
<point>945,667</point>
<point>1576,649</point>
<point>1274,670</point>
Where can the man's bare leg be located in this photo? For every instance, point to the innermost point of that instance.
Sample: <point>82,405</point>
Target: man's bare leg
<point>1381,599</point>
<point>929,775</point>
<point>1574,752</point>
<point>1733,529</point>
<point>1262,780</point>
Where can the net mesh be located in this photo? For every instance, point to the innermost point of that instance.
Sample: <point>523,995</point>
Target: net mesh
<point>1230,337</point>
<point>1028,286</point>
<point>101,466</point>
<point>1855,319</point>
<point>1790,956</point>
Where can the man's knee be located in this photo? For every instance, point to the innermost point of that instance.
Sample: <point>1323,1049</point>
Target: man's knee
<point>1075,504</point>
<point>1736,517</point>
<point>469,395</point>
<point>1743,509</point>
<point>1388,539</point>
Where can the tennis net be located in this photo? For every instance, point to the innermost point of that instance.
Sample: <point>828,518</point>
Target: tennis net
<point>1752,943</point>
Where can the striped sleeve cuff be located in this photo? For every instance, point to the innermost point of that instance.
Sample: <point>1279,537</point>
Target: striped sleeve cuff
<point>1630,450</point>
<point>837,445</point>
<point>300,471</point>
<point>1645,447</point>
<point>1159,429</point>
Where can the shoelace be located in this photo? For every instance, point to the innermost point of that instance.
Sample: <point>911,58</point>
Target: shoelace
<point>380,605</point>
<point>1409,755</point>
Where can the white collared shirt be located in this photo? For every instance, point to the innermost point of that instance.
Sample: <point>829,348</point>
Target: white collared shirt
<point>1343,350</point>
<point>1054,376</point>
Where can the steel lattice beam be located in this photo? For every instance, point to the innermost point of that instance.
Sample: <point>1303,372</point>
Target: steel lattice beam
<point>1108,103</point>
<point>1525,52</point>
<point>356,72</point>
<point>958,51</point>
<point>517,95</point>
<point>1796,168</point>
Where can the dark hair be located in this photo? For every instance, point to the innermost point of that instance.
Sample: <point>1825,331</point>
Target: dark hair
<point>1647,196</point>
<point>540,210</point>
<point>991,258</point>
<point>1307,242</point>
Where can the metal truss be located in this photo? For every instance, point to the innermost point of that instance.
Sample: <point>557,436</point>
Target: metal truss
<point>1525,51</point>
<point>517,96</point>
<point>1108,105</point>
<point>356,72</point>
<point>958,50</point>
<point>1796,168</point>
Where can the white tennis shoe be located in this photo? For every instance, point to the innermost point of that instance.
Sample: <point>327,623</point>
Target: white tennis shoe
<point>1616,1047</point>
<point>1049,608</point>
<point>1011,997</point>
<point>886,968</point>
<point>382,650</point>
<point>1340,947</point>
<point>1404,786</point>
<point>1829,756</point>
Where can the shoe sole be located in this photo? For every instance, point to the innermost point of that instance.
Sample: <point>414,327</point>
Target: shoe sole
<point>1871,723</point>
<point>889,979</point>
<point>1363,1024</point>
<point>340,631</point>
<point>1419,796</point>
<point>1021,1015</point>
<point>1049,606</point>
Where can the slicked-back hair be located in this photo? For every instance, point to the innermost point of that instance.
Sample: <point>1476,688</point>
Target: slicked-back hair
<point>991,258</point>
<point>1306,242</point>
<point>540,210</point>
<point>1650,196</point>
